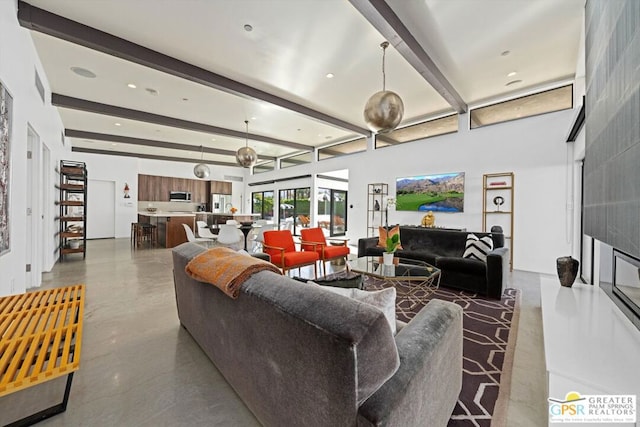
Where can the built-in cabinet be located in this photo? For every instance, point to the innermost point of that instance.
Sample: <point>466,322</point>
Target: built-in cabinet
<point>497,205</point>
<point>220,187</point>
<point>73,208</point>
<point>157,188</point>
<point>377,194</point>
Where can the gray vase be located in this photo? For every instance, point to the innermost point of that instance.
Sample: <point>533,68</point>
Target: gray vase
<point>567,270</point>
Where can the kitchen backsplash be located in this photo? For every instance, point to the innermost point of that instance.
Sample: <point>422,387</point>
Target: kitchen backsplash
<point>169,206</point>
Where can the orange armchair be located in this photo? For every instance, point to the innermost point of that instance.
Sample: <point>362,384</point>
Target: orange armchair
<point>313,240</point>
<point>279,245</point>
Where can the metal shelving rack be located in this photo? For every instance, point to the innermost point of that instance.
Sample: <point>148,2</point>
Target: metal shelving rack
<point>496,186</point>
<point>376,209</point>
<point>73,208</point>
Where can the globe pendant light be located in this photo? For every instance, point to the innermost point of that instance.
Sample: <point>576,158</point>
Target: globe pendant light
<point>246,156</point>
<point>384,110</point>
<point>201,170</point>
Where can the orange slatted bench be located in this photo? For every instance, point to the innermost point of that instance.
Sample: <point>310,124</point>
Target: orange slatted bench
<point>40,339</point>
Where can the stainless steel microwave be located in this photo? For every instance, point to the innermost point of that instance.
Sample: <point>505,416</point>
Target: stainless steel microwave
<point>180,196</point>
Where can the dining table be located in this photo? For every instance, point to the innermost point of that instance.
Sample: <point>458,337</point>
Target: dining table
<point>246,227</point>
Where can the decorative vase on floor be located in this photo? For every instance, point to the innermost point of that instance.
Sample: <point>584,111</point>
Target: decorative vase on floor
<point>567,270</point>
<point>387,258</point>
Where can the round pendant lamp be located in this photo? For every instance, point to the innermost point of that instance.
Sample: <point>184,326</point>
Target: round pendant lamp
<point>246,156</point>
<point>384,110</point>
<point>201,170</point>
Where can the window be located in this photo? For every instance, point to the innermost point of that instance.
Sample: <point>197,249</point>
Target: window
<point>349,147</point>
<point>332,211</point>
<point>435,127</point>
<point>294,209</point>
<point>526,106</point>
<point>299,159</point>
<point>262,203</point>
<point>264,167</point>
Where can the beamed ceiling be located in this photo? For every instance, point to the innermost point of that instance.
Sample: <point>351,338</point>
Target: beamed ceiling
<point>199,74</point>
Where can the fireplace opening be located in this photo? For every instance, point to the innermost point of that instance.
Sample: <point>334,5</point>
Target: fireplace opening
<point>626,280</point>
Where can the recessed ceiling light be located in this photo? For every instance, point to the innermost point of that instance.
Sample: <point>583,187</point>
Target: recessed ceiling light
<point>213,139</point>
<point>253,118</point>
<point>511,74</point>
<point>505,52</point>
<point>117,124</point>
<point>330,75</point>
<point>152,91</point>
<point>248,28</point>
<point>132,86</point>
<point>185,99</point>
<point>83,72</point>
<point>299,129</point>
<point>513,82</point>
<point>114,144</point>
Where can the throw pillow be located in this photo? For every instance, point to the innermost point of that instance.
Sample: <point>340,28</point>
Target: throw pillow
<point>478,247</point>
<point>384,300</point>
<point>384,233</point>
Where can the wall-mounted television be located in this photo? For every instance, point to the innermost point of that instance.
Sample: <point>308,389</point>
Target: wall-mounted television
<point>442,192</point>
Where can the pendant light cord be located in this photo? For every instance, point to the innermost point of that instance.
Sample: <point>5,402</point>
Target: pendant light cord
<point>246,122</point>
<point>201,153</point>
<point>384,46</point>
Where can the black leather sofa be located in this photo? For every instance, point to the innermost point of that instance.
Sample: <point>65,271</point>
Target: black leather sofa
<point>444,249</point>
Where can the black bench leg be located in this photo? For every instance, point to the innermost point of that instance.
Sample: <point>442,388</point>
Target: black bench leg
<point>46,413</point>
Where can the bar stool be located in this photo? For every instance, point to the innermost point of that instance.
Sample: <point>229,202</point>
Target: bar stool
<point>149,233</point>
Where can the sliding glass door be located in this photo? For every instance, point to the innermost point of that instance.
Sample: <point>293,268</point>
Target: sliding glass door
<point>332,211</point>
<point>262,203</point>
<point>294,209</point>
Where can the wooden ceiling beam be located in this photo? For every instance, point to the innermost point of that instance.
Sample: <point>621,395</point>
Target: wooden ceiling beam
<point>45,22</point>
<point>383,18</point>
<point>74,133</point>
<point>64,101</point>
<point>151,156</point>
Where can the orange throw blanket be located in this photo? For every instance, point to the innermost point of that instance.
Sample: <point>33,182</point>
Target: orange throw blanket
<point>226,269</point>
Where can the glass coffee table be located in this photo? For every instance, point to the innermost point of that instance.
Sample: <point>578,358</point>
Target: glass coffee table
<point>408,276</point>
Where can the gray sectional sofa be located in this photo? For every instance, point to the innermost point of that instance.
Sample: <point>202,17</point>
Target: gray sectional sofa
<point>298,355</point>
<point>444,248</point>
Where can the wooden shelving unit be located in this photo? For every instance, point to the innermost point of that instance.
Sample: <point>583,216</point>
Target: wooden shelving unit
<point>73,208</point>
<point>376,209</point>
<point>497,205</point>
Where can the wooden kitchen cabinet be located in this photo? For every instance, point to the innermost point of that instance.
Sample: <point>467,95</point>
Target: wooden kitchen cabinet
<point>157,188</point>
<point>220,187</point>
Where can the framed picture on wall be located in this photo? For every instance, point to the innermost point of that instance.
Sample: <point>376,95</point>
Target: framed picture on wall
<point>6,103</point>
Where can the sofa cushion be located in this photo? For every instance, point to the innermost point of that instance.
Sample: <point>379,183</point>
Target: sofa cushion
<point>384,300</point>
<point>462,265</point>
<point>477,247</point>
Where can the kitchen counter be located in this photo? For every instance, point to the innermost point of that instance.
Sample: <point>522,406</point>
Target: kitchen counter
<point>165,214</point>
<point>170,230</point>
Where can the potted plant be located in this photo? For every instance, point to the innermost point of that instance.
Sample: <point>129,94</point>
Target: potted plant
<point>393,242</point>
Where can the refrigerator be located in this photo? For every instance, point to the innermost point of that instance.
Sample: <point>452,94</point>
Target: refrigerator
<point>221,203</point>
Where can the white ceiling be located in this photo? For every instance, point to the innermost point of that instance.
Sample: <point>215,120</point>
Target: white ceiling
<point>293,45</point>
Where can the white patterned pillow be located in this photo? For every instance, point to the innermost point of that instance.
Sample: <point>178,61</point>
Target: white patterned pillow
<point>384,300</point>
<point>478,247</point>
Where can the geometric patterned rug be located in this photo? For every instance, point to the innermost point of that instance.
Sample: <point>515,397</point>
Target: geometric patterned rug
<point>490,328</point>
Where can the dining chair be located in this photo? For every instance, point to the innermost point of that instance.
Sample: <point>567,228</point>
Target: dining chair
<point>192,237</point>
<point>229,235</point>
<point>280,246</point>
<point>259,240</point>
<point>312,239</point>
<point>204,231</point>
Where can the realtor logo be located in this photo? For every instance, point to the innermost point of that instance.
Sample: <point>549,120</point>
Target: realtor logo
<point>605,408</point>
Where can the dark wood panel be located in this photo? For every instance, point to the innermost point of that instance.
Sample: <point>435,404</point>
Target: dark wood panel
<point>220,187</point>
<point>157,188</point>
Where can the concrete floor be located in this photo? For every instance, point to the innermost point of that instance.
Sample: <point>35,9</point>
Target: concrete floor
<point>140,368</point>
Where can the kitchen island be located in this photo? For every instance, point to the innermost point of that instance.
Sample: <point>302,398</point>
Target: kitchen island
<point>215,219</point>
<point>170,230</point>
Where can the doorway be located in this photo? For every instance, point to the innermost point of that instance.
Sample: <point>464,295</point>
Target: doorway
<point>332,211</point>
<point>101,211</point>
<point>35,216</point>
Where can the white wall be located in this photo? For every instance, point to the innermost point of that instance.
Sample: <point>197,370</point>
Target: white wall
<point>18,62</point>
<point>533,148</point>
